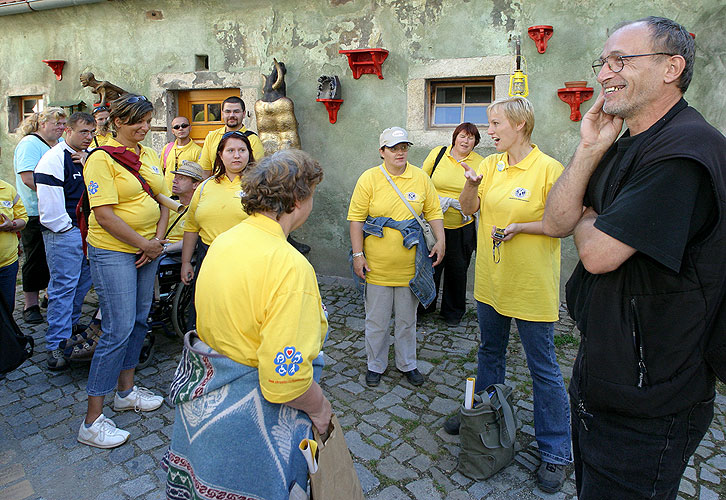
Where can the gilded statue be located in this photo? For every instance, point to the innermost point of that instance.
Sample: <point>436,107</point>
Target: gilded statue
<point>106,91</point>
<point>276,122</point>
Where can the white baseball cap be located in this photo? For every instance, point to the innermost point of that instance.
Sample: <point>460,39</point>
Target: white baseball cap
<point>392,136</point>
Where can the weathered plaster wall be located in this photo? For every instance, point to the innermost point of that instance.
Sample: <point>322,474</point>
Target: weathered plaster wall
<point>122,43</point>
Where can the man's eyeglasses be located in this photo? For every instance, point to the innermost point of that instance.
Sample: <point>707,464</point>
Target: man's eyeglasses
<point>616,63</point>
<point>180,126</point>
<point>402,147</point>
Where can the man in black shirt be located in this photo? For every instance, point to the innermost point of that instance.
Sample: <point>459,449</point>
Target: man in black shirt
<point>646,295</point>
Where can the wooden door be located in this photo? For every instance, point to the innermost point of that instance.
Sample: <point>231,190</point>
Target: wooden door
<point>203,109</point>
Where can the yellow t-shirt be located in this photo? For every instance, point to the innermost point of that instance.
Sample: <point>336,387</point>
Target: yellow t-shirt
<point>101,140</point>
<point>177,232</point>
<point>449,180</point>
<point>391,263</point>
<point>12,209</point>
<point>211,142</point>
<point>110,183</point>
<point>215,207</point>
<point>258,303</point>
<point>525,284</point>
<point>176,155</point>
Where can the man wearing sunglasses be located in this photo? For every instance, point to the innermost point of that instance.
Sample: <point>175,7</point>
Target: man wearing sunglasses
<point>182,148</point>
<point>647,214</point>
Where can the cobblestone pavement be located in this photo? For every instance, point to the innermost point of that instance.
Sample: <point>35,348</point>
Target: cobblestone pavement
<point>394,430</point>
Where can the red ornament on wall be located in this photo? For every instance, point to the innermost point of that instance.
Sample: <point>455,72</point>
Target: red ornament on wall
<point>57,66</point>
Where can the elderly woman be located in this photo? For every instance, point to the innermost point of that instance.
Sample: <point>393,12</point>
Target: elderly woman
<point>125,237</point>
<point>445,166</point>
<point>246,389</point>
<point>383,232</point>
<point>215,206</point>
<point>520,278</point>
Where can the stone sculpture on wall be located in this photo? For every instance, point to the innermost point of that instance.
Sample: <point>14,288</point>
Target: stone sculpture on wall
<point>275,112</point>
<point>106,91</point>
<point>329,87</point>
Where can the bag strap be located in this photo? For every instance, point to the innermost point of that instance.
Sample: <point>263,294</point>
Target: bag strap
<point>403,198</point>
<point>15,201</point>
<point>509,429</point>
<point>175,221</point>
<point>438,159</point>
<point>167,150</point>
<point>128,160</point>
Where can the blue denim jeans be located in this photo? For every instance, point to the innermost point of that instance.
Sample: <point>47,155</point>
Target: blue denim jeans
<point>8,282</point>
<point>551,404</point>
<point>124,294</point>
<point>70,280</point>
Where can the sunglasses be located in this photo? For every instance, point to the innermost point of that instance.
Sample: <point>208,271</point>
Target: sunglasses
<point>180,126</point>
<point>99,109</point>
<point>136,98</point>
<point>234,133</point>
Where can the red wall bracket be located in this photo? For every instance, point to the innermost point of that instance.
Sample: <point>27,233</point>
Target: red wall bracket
<point>365,61</point>
<point>540,35</point>
<point>57,66</point>
<point>574,96</point>
<point>332,105</point>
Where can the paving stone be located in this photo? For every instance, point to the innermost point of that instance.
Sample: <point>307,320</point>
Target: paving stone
<point>78,453</point>
<point>390,468</point>
<point>719,462</point>
<point>444,406</point>
<point>387,400</point>
<point>424,439</point>
<point>121,454</point>
<point>402,412</point>
<point>359,448</point>
<point>367,480</point>
<point>423,488</point>
<point>366,429</point>
<point>379,440</point>
<point>391,493</point>
<point>353,387</point>
<point>140,464</point>
<point>137,487</point>
<point>421,462</point>
<point>707,494</point>
<point>479,490</point>
<point>379,418</point>
<point>403,452</point>
<point>113,476</point>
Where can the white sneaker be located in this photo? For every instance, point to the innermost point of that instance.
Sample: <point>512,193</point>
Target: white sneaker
<point>102,434</point>
<point>139,399</point>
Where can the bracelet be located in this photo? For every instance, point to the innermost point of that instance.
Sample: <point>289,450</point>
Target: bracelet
<point>157,239</point>
<point>358,254</point>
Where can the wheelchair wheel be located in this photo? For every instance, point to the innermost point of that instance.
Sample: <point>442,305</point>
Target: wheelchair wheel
<point>146,356</point>
<point>180,304</point>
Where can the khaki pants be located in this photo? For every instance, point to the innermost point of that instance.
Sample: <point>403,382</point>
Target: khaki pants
<point>380,302</point>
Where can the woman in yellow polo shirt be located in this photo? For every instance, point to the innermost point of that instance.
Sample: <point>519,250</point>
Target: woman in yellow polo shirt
<point>518,275</point>
<point>12,219</point>
<point>125,237</point>
<point>383,260</point>
<point>445,167</point>
<point>253,371</point>
<point>215,205</point>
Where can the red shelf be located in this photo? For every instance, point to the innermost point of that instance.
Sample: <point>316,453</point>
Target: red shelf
<point>540,35</point>
<point>365,61</point>
<point>332,105</point>
<point>57,66</point>
<point>574,96</point>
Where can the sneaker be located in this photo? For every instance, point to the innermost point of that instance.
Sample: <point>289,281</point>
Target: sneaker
<point>550,477</point>
<point>140,399</point>
<point>44,302</point>
<point>57,360</point>
<point>102,434</point>
<point>32,315</point>
<point>414,377</point>
<point>452,424</point>
<point>373,378</point>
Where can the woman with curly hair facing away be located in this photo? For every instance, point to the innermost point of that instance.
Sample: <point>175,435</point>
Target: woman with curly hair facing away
<point>246,387</point>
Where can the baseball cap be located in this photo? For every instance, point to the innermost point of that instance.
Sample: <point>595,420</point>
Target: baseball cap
<point>190,169</point>
<point>392,136</point>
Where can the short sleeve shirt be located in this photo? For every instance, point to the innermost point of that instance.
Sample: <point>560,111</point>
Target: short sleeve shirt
<point>177,154</point>
<point>215,207</point>
<point>12,209</point>
<point>27,154</point>
<point>211,142</point>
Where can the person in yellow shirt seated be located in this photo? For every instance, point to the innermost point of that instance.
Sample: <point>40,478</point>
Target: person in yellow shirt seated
<point>445,166</point>
<point>180,149</point>
<point>186,179</point>
<point>233,113</point>
<point>518,276</point>
<point>261,327</point>
<point>103,132</point>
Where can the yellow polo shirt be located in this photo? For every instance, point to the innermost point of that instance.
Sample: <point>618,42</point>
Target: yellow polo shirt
<point>525,284</point>
<point>211,142</point>
<point>176,155</point>
<point>215,207</point>
<point>449,180</point>
<point>177,232</point>
<point>109,183</point>
<point>391,263</point>
<point>258,303</point>
<point>101,140</point>
<point>12,209</point>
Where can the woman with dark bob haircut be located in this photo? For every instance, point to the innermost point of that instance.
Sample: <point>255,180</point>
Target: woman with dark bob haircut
<point>445,166</point>
<point>252,368</point>
<point>125,237</point>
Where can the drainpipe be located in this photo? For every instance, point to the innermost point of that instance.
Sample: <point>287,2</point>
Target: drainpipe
<point>25,6</point>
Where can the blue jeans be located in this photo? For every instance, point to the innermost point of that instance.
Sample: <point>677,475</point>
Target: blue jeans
<point>8,282</point>
<point>124,294</point>
<point>70,280</point>
<point>551,404</point>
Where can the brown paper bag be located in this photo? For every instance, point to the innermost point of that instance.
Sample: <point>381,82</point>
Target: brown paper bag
<point>336,478</point>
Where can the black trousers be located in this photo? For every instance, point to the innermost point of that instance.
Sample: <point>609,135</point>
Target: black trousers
<point>460,244</point>
<point>635,458</point>
<point>35,269</point>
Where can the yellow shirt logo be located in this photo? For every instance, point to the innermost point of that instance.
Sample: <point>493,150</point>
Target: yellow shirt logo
<point>520,193</point>
<point>411,196</point>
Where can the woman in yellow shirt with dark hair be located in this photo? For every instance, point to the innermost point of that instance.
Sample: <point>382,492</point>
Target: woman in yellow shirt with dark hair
<point>12,219</point>
<point>125,237</point>
<point>445,166</point>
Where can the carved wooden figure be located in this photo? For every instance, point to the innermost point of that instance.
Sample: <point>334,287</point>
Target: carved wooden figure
<point>106,91</point>
<point>276,122</point>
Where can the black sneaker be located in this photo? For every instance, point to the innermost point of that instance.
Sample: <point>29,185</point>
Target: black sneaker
<point>451,426</point>
<point>452,321</point>
<point>373,378</point>
<point>550,477</point>
<point>414,377</point>
<point>57,360</point>
<point>32,315</point>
